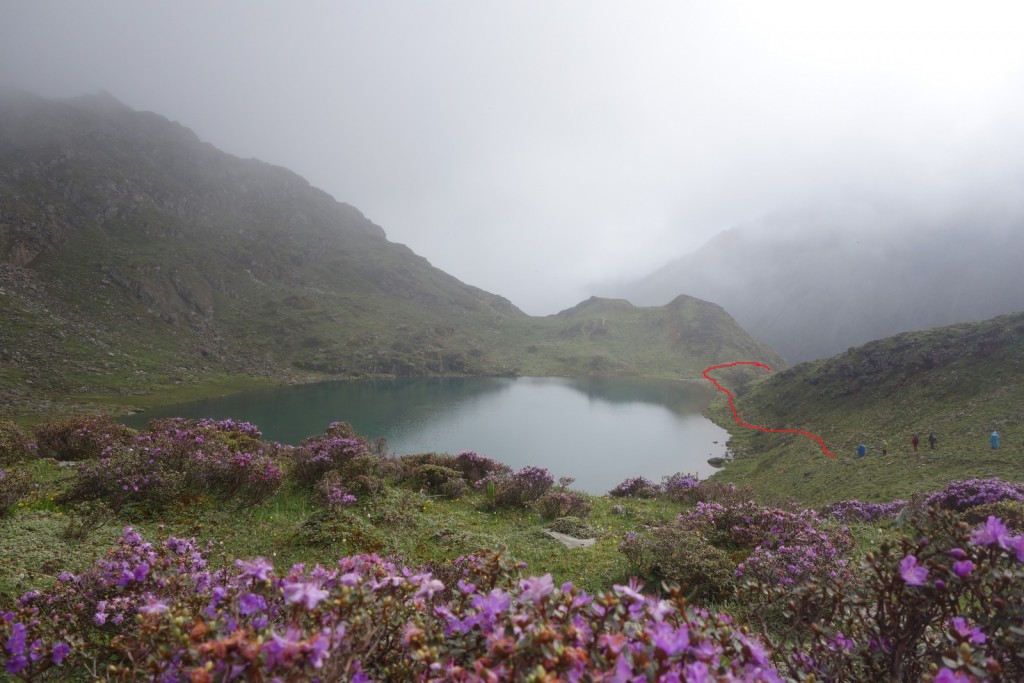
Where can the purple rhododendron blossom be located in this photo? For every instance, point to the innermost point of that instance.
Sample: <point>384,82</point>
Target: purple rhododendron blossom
<point>536,588</point>
<point>428,587</point>
<point>912,573</point>
<point>16,642</point>
<point>948,676</point>
<point>971,635</point>
<point>307,593</point>
<point>258,569</point>
<point>992,532</point>
<point>59,652</point>
<point>669,639</point>
<point>963,568</point>
<point>251,603</point>
<point>153,606</point>
<point>1017,545</point>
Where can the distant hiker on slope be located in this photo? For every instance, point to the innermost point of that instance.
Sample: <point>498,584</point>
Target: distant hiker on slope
<point>862,450</point>
<point>932,439</point>
<point>914,441</point>
<point>994,439</point>
<point>884,445</point>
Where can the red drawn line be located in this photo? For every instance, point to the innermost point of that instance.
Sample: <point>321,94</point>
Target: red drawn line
<point>736,415</point>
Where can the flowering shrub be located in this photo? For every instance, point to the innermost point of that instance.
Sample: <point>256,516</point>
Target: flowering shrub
<point>563,503</point>
<point>859,511</point>
<point>722,492</point>
<point>961,495</point>
<point>785,547</point>
<point>158,613</point>
<point>332,450</point>
<point>677,555</point>
<point>635,487</point>
<point>679,486</point>
<point>14,485</point>
<point>79,438</point>
<point>475,467</point>
<point>439,480</point>
<point>172,458</point>
<point>944,603</point>
<point>126,474</point>
<point>332,493</point>
<point>516,489</point>
<point>14,443</point>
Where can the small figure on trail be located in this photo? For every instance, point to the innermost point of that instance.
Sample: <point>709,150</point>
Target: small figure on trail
<point>862,450</point>
<point>932,439</point>
<point>884,445</point>
<point>914,441</point>
<point>994,439</point>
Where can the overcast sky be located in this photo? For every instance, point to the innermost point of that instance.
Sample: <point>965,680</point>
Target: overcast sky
<point>535,148</point>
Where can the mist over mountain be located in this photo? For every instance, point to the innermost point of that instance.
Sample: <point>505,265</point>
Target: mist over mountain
<point>135,258</point>
<point>815,281</point>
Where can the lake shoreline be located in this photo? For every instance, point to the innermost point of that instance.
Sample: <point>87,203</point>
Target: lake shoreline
<point>604,425</point>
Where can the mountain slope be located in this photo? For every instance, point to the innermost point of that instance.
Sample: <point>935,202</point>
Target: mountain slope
<point>136,259</point>
<point>961,382</point>
<point>814,282</point>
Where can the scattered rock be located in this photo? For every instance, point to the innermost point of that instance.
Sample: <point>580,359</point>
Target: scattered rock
<point>570,541</point>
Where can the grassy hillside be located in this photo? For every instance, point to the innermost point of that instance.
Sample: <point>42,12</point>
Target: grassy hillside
<point>961,382</point>
<point>140,265</point>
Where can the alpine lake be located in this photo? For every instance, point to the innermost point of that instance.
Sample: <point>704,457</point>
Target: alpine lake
<point>598,431</point>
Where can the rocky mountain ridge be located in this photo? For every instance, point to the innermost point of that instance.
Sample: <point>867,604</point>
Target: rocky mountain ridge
<point>136,259</point>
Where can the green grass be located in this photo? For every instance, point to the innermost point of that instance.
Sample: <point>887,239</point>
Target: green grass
<point>961,382</point>
<point>289,528</point>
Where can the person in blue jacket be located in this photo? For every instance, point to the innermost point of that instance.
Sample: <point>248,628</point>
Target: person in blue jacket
<point>862,450</point>
<point>994,439</point>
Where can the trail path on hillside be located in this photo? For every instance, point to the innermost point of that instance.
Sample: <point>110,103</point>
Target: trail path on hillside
<point>736,415</point>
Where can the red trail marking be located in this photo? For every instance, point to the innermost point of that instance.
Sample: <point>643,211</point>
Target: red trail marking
<point>741,423</point>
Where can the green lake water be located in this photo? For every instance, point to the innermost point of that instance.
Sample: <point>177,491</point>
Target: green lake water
<point>599,431</point>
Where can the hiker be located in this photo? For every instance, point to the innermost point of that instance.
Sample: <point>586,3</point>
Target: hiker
<point>862,450</point>
<point>884,445</point>
<point>914,441</point>
<point>932,439</point>
<point>994,439</point>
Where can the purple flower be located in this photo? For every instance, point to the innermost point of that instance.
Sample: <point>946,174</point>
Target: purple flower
<point>319,647</point>
<point>258,569</point>
<point>59,652</point>
<point>16,664</point>
<point>948,676</point>
<point>251,603</point>
<point>696,672</point>
<point>307,593</point>
<point>669,639</point>
<point>153,606</point>
<point>428,587</point>
<point>1017,544</point>
<point>491,605</point>
<point>992,532</point>
<point>912,573</point>
<point>16,641</point>
<point>971,635</point>
<point>536,588</point>
<point>963,568</point>
<point>840,642</point>
<point>632,590</point>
